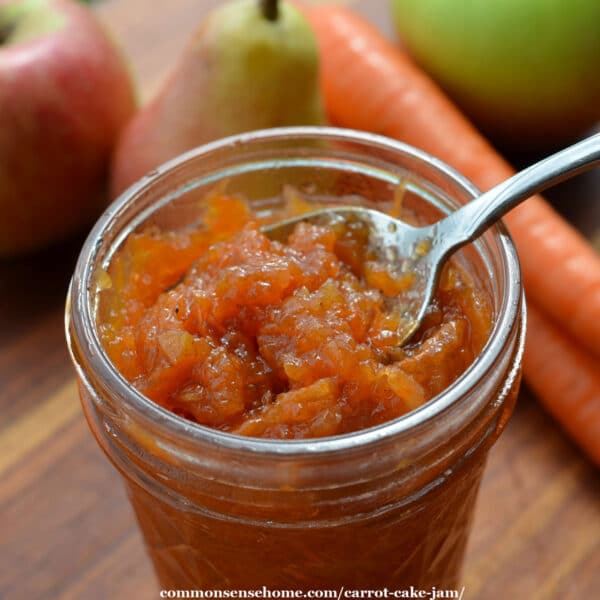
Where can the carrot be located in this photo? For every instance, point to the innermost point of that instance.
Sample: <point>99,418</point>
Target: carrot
<point>566,379</point>
<point>368,83</point>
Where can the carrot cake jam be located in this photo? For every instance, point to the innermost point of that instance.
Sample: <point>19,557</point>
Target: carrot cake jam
<point>232,330</point>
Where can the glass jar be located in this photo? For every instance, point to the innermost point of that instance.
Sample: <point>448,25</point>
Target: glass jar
<point>390,506</point>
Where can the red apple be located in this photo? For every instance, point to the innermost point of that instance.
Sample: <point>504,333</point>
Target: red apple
<point>65,93</point>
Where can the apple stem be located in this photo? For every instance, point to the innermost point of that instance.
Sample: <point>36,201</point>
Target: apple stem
<point>6,29</point>
<point>270,9</point>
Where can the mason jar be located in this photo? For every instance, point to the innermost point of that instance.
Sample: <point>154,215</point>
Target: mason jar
<point>386,507</point>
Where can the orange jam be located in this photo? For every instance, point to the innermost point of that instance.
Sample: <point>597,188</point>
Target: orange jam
<point>231,330</point>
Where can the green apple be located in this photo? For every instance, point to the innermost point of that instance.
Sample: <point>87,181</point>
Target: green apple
<point>526,71</point>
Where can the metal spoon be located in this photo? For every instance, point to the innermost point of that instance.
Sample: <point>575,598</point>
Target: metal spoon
<point>423,250</point>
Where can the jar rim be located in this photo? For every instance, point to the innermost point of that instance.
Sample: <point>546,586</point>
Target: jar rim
<point>79,321</point>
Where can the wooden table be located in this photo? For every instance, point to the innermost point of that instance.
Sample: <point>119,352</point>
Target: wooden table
<point>66,529</point>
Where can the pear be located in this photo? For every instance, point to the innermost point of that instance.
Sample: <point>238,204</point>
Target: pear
<point>251,64</point>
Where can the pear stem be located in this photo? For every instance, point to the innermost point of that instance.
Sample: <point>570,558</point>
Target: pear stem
<point>270,9</point>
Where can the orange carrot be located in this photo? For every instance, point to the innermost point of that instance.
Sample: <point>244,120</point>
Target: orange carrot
<point>368,83</point>
<point>566,379</point>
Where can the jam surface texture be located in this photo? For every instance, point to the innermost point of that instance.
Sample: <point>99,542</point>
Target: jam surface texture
<point>234,331</point>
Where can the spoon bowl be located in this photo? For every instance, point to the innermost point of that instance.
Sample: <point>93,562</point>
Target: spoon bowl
<point>404,249</point>
<point>422,251</point>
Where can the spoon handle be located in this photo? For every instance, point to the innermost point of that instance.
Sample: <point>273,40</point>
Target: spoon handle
<point>470,221</point>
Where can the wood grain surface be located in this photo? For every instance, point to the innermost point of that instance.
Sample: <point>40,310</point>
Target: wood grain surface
<point>66,529</point>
